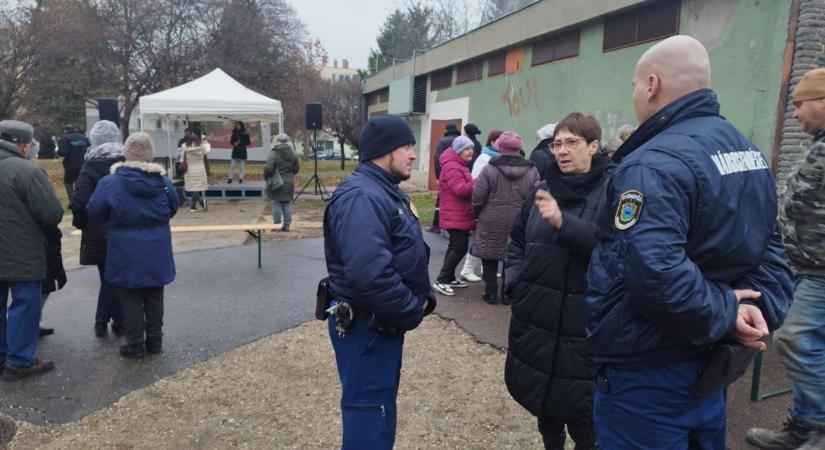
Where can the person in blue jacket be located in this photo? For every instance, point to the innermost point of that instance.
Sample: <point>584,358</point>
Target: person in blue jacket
<point>691,257</point>
<point>137,201</point>
<point>377,262</point>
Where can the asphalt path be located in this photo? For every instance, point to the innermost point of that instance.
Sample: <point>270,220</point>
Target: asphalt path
<point>219,301</point>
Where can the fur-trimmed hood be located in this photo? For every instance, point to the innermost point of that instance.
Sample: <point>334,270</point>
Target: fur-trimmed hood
<point>142,179</point>
<point>148,167</point>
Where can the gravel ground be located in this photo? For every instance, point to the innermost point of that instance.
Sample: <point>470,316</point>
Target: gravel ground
<point>282,392</point>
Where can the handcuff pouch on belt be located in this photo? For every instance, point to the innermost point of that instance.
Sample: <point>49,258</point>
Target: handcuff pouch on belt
<point>723,364</point>
<point>344,313</point>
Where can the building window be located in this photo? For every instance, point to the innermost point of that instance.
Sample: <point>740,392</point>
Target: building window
<point>646,23</point>
<point>420,94</point>
<point>384,95</point>
<point>469,71</point>
<point>496,64</point>
<point>372,99</point>
<point>556,47</point>
<point>441,79</point>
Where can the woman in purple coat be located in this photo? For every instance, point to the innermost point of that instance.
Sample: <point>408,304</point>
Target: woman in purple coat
<point>498,194</point>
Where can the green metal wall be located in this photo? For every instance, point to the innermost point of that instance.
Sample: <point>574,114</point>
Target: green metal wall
<point>745,40</point>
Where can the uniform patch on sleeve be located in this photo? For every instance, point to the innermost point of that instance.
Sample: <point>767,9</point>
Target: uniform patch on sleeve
<point>630,207</point>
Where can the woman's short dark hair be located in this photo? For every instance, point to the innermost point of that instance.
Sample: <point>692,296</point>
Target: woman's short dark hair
<point>193,140</point>
<point>580,125</point>
<point>492,137</point>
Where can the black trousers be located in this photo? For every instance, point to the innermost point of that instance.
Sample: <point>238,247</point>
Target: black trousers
<point>437,212</point>
<point>582,431</point>
<point>142,313</point>
<point>490,269</point>
<point>456,249</point>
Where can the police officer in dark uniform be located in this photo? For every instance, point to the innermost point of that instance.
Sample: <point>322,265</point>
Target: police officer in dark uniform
<point>692,262</point>
<point>379,283</point>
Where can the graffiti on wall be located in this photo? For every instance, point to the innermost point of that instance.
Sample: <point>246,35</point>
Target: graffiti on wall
<point>519,94</point>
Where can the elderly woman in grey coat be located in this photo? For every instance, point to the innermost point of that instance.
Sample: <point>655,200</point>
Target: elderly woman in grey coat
<point>283,159</point>
<point>195,180</point>
<point>498,194</point>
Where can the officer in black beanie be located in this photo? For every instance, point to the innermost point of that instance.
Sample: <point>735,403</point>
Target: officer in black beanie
<point>378,280</point>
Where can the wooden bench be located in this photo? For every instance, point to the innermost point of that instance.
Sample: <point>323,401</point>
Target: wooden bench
<point>255,230</point>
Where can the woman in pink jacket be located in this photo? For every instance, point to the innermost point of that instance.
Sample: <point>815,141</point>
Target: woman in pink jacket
<point>455,191</point>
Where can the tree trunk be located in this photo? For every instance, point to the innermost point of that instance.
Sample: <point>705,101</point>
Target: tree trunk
<point>343,157</point>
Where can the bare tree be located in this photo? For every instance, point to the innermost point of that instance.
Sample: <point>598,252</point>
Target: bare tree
<point>151,45</point>
<point>342,116</point>
<point>263,44</point>
<point>18,55</point>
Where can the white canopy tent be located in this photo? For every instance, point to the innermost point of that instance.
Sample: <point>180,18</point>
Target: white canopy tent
<point>213,97</point>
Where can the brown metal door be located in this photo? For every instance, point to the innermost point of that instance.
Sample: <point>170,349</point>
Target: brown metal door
<point>437,128</point>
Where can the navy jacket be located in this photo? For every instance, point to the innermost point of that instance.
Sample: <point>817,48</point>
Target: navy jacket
<point>376,255</point>
<point>137,201</point>
<point>692,215</point>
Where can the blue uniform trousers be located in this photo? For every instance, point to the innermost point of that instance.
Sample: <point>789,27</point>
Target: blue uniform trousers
<point>369,366</point>
<point>654,409</point>
<point>20,323</point>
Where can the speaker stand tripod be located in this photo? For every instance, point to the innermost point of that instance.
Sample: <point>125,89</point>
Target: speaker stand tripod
<point>318,187</point>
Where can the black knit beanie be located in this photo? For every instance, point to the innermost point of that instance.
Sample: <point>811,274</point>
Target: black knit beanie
<point>382,135</point>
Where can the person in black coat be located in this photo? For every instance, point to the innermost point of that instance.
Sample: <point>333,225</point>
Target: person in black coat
<point>541,155</point>
<point>106,151</point>
<point>549,369</point>
<point>55,273</point>
<point>471,131</point>
<point>239,141</point>
<point>450,133</point>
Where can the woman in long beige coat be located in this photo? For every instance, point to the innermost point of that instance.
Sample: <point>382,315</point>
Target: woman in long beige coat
<point>195,180</point>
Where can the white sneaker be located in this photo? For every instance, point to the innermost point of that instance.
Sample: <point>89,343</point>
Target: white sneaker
<point>456,284</point>
<point>443,289</point>
<point>470,276</point>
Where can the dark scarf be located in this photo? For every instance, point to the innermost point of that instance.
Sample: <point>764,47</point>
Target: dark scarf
<point>575,187</point>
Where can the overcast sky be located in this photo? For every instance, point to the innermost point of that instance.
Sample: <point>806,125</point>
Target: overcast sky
<point>346,28</point>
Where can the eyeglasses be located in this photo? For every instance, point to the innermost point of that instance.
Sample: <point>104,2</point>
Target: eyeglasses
<point>567,143</point>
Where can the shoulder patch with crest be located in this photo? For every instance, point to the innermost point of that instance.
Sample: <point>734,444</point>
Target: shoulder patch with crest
<point>629,209</point>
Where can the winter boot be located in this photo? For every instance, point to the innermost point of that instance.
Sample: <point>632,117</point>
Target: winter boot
<point>469,270</point>
<point>133,351</point>
<point>154,345</point>
<point>789,437</point>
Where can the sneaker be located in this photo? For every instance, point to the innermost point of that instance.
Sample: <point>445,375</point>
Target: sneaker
<point>457,284</point>
<point>193,210</point>
<point>285,228</point>
<point>443,288</point>
<point>470,276</point>
<point>13,373</point>
<point>490,299</point>
<point>789,437</point>
<point>100,329</point>
<point>133,351</point>
<point>816,441</point>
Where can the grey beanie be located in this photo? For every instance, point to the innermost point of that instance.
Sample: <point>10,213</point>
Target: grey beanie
<point>460,143</point>
<point>139,147</point>
<point>282,137</point>
<point>102,132</point>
